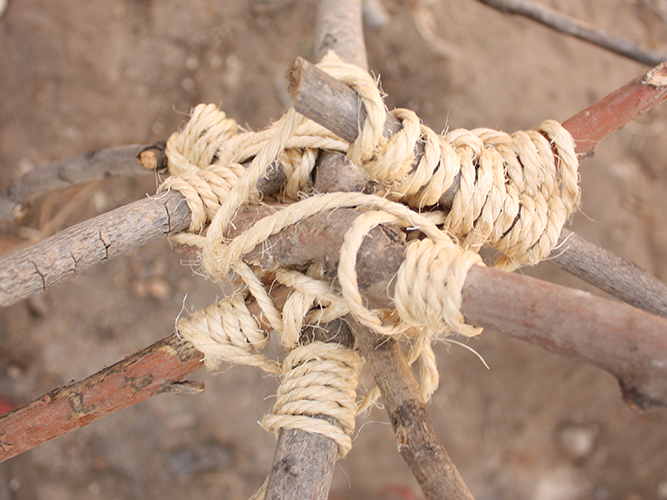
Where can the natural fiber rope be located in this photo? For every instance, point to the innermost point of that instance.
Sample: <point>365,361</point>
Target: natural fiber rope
<point>514,194</point>
<point>318,379</point>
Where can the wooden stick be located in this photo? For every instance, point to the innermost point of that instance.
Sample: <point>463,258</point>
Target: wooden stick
<point>16,272</point>
<point>428,460</point>
<point>340,111</point>
<point>579,29</point>
<point>154,370</point>
<point>93,165</point>
<point>339,27</point>
<point>628,343</point>
<point>149,372</point>
<point>611,113</point>
<point>609,272</point>
<point>303,464</point>
<point>78,248</point>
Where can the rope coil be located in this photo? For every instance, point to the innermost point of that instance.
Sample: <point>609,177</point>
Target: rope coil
<point>513,193</point>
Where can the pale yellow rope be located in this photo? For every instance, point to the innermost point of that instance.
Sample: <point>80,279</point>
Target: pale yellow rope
<point>515,192</point>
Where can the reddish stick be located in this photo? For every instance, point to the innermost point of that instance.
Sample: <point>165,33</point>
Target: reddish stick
<point>611,113</point>
<point>151,371</point>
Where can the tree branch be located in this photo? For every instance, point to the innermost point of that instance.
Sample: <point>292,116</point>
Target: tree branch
<point>428,460</point>
<point>628,343</point>
<point>579,29</point>
<point>76,249</point>
<point>624,341</point>
<point>154,370</point>
<point>93,165</point>
<point>340,110</point>
<point>303,464</point>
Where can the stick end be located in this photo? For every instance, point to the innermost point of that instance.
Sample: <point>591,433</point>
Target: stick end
<point>294,76</point>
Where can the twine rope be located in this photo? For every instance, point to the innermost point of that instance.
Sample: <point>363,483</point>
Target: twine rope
<point>514,193</point>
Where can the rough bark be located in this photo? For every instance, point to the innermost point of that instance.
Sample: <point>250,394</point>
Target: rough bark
<point>417,443</point>
<point>78,248</point>
<point>154,370</point>
<point>340,110</point>
<point>95,164</point>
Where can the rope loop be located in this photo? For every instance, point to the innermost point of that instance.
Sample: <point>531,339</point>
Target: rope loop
<point>455,192</point>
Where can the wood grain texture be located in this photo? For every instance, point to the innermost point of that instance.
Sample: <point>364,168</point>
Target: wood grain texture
<point>154,370</point>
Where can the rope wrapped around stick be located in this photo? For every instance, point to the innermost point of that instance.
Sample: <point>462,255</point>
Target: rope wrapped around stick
<point>515,194</point>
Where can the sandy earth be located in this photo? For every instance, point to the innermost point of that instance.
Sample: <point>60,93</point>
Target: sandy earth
<point>80,75</point>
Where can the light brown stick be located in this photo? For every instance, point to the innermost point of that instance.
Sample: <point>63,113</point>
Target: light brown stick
<point>579,29</point>
<point>96,164</point>
<point>340,111</point>
<point>428,460</point>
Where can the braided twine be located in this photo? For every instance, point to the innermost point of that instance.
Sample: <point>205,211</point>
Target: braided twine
<point>515,192</point>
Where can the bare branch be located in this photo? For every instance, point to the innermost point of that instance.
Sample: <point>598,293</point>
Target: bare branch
<point>339,110</point>
<point>579,29</point>
<point>93,165</point>
<point>624,341</point>
<point>154,370</point>
<point>609,272</point>
<point>428,460</point>
<point>78,248</point>
<point>339,28</point>
<point>627,342</point>
<point>303,464</point>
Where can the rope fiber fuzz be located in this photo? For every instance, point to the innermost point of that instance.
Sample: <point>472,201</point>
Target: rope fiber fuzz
<point>513,193</point>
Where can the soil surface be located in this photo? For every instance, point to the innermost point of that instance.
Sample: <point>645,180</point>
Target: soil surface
<point>81,75</point>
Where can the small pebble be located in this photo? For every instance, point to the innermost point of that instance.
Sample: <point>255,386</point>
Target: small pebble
<point>661,491</point>
<point>577,441</point>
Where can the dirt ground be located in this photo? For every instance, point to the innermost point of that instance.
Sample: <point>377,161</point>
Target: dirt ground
<point>80,75</point>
